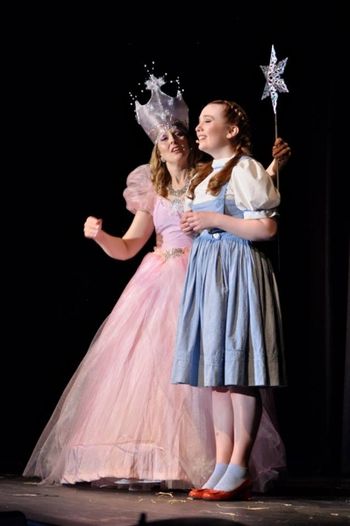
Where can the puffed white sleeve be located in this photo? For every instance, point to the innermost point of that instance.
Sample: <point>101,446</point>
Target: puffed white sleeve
<point>139,193</point>
<point>253,190</point>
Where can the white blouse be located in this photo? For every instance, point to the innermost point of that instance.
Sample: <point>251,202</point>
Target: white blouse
<point>250,186</point>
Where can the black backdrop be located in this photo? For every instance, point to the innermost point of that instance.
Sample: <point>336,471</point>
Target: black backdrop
<point>73,138</point>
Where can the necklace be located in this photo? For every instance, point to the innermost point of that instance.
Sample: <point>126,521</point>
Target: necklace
<point>178,193</point>
<point>177,197</point>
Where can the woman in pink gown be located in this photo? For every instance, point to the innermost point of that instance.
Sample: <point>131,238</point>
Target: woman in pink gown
<point>120,417</point>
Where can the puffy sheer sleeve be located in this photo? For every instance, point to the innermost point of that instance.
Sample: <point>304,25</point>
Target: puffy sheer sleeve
<point>139,193</point>
<point>253,190</point>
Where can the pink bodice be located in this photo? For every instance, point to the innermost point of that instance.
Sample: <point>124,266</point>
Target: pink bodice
<point>167,223</point>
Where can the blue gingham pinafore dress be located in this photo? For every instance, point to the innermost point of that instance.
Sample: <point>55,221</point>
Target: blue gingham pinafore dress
<point>229,328</point>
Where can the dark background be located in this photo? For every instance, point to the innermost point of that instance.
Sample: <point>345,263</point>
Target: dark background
<point>71,140</point>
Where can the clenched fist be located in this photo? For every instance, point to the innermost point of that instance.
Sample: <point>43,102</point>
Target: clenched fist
<point>92,227</point>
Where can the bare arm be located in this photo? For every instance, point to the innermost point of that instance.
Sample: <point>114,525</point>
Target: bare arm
<point>124,247</point>
<point>252,229</point>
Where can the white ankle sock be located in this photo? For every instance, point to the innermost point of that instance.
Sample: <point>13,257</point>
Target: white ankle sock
<point>215,476</point>
<point>234,476</point>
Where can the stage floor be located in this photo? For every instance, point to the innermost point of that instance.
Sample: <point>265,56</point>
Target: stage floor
<point>298,502</point>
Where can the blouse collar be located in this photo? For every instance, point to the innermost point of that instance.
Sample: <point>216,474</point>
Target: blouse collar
<point>217,164</point>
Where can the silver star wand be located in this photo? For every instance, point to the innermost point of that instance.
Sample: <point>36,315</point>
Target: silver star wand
<point>274,84</point>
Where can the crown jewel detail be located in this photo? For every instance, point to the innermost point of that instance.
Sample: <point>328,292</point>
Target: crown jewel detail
<point>162,111</point>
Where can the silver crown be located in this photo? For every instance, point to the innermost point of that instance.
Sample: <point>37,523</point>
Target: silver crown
<point>162,111</point>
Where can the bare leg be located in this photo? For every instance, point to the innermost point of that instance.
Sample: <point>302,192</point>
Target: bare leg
<point>223,426</point>
<point>246,408</point>
<point>247,413</point>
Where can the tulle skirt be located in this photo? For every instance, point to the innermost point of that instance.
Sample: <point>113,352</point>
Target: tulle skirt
<point>121,417</point>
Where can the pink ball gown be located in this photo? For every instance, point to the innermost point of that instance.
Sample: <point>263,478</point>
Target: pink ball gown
<point>120,416</point>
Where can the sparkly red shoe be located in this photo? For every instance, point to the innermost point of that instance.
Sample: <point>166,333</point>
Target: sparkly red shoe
<point>196,493</point>
<point>243,492</point>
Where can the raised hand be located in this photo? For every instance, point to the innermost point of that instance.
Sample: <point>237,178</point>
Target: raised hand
<point>92,227</point>
<point>281,152</point>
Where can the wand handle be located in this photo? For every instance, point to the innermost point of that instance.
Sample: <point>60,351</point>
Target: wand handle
<point>278,170</point>
<point>278,187</point>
